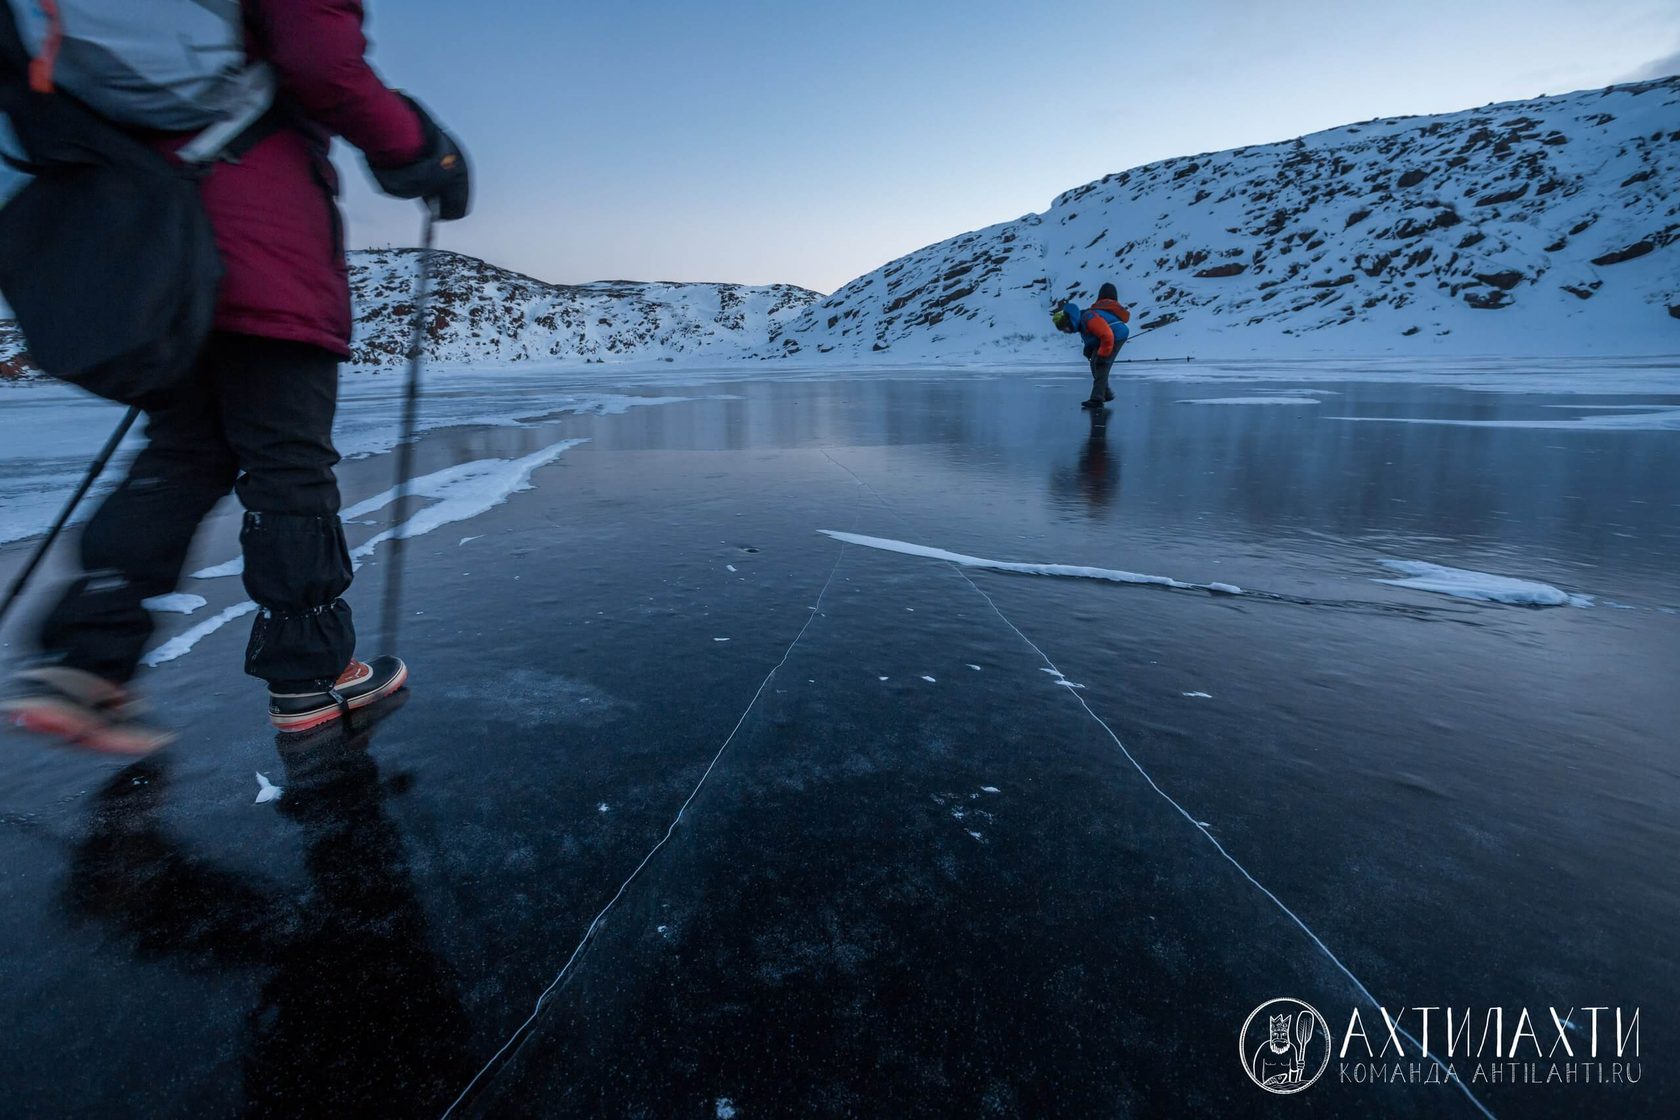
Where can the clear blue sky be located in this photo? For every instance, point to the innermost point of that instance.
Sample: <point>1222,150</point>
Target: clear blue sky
<point>759,141</point>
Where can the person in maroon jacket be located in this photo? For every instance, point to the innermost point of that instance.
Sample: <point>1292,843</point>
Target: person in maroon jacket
<point>255,417</point>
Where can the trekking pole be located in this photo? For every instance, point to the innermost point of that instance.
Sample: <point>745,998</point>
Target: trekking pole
<point>411,418</point>
<point>69,509</point>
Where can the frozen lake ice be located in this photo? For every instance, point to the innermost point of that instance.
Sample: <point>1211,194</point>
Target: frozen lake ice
<point>964,824</point>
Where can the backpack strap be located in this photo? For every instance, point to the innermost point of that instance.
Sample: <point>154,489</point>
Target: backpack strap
<point>254,104</point>
<point>276,118</point>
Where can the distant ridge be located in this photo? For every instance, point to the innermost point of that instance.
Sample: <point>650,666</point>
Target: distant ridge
<point>1532,227</point>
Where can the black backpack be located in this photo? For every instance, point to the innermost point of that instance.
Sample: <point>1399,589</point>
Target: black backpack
<point>106,255</point>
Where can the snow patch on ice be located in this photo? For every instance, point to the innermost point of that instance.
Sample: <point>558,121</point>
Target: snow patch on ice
<point>1112,575</point>
<point>181,644</point>
<point>929,679</point>
<point>178,603</point>
<point>731,567</point>
<point>464,540</point>
<point>1199,695</point>
<point>725,1108</point>
<point>1464,583</point>
<point>990,789</point>
<point>266,790</point>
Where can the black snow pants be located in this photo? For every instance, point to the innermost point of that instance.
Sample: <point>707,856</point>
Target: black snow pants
<point>1100,369</point>
<point>254,417</point>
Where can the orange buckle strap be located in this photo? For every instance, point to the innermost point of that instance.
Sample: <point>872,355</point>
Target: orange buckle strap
<point>41,66</point>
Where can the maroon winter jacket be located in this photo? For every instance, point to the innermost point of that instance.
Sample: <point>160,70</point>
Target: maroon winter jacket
<point>276,222</point>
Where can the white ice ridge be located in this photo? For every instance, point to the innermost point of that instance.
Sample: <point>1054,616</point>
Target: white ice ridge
<point>1609,419</point>
<point>182,643</point>
<point>266,790</point>
<point>1075,571</point>
<point>1481,586</point>
<point>1251,400</point>
<point>178,603</point>
<point>461,492</point>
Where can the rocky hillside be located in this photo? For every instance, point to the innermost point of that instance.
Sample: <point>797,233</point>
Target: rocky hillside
<point>1530,227</point>
<point>481,313</point>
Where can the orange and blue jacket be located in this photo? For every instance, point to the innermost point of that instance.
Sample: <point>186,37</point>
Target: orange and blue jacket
<point>1104,324</point>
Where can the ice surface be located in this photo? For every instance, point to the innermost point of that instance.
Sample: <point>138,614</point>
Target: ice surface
<point>1464,583</point>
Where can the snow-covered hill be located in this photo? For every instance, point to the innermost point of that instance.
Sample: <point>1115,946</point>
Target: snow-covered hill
<point>1531,227</point>
<point>481,313</point>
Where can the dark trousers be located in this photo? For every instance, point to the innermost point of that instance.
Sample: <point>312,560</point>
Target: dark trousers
<point>1100,369</point>
<point>254,417</point>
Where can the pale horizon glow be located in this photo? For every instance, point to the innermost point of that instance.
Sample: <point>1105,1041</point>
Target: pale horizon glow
<point>761,142</point>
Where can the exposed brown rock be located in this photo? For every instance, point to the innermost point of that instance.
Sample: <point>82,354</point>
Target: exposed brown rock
<point>1504,281</point>
<point>1632,252</point>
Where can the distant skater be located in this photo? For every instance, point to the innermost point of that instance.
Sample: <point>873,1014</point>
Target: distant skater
<point>255,415</point>
<point>1103,330</point>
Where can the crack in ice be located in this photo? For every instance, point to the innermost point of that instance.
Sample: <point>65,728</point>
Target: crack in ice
<point>520,1032</point>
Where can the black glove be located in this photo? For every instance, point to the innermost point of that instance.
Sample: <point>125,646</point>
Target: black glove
<point>1090,350</point>
<point>439,176</point>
